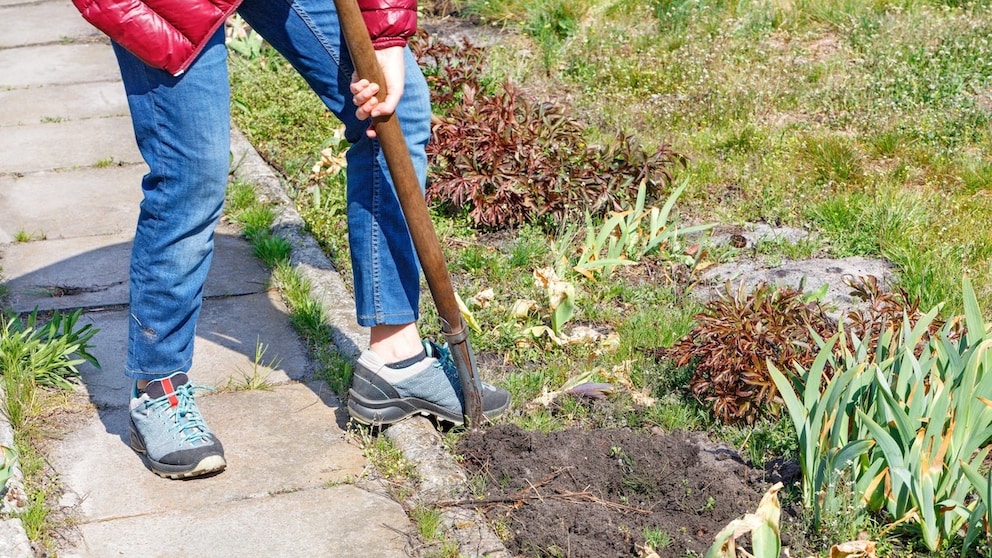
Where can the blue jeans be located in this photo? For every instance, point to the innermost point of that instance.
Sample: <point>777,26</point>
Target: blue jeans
<point>182,127</point>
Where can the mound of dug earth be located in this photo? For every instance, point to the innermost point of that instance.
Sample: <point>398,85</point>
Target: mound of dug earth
<point>595,493</point>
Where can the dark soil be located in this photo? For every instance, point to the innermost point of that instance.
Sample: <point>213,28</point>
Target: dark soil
<point>595,493</point>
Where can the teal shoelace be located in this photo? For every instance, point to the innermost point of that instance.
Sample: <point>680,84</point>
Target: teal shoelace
<point>189,425</point>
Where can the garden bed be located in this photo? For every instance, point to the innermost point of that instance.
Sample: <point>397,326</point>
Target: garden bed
<point>604,492</point>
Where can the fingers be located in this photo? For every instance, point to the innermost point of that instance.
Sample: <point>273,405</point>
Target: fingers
<point>365,98</point>
<point>367,104</point>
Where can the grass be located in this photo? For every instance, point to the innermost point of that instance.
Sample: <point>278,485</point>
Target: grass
<point>430,526</point>
<point>657,539</point>
<point>816,104</point>
<point>258,377</point>
<point>38,358</point>
<point>867,123</point>
<point>306,314</point>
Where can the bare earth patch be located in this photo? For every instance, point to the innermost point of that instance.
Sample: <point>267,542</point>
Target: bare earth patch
<point>594,493</point>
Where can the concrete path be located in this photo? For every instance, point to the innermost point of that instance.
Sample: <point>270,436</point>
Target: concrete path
<point>69,181</point>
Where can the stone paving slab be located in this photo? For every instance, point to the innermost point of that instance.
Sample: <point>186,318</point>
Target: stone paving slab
<point>228,332</point>
<point>339,521</point>
<point>76,101</point>
<point>81,143</point>
<point>81,202</point>
<point>284,439</point>
<point>42,22</point>
<point>10,3</point>
<point>92,271</point>
<point>57,64</point>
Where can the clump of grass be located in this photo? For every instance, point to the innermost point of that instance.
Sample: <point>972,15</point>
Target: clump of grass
<point>37,357</point>
<point>272,250</point>
<point>255,218</point>
<point>306,313</point>
<point>388,460</point>
<point>258,377</point>
<point>255,221</point>
<point>46,352</point>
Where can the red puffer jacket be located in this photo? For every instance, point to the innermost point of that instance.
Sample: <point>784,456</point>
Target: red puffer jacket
<point>169,34</point>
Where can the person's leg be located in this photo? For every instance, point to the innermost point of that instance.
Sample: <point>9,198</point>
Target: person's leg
<point>384,263</point>
<point>182,127</point>
<point>398,376</point>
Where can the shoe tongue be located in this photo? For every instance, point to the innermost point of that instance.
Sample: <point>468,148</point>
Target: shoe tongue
<point>166,386</point>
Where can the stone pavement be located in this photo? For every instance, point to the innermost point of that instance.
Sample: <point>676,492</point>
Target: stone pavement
<point>69,179</point>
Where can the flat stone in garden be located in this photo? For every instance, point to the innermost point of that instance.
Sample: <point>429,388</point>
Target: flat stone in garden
<point>810,275</point>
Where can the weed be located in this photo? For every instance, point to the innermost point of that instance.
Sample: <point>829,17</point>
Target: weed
<point>255,221</point>
<point>333,368</point>
<point>657,538</point>
<point>22,236</point>
<point>258,377</point>
<point>551,22</point>
<point>306,314</point>
<point>709,505</point>
<point>34,518</point>
<point>832,160</point>
<point>447,549</point>
<point>240,196</point>
<point>779,248</point>
<point>428,522</point>
<point>388,460</point>
<point>46,353</point>
<point>272,250</point>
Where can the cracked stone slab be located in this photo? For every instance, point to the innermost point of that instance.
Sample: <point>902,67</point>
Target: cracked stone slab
<point>286,439</point>
<point>89,272</point>
<point>228,335</point>
<point>100,201</point>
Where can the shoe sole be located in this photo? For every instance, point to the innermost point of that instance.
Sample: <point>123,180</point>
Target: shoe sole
<point>209,464</point>
<point>390,411</point>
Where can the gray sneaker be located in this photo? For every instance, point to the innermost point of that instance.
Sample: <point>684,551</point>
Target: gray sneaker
<point>436,391</point>
<point>168,430</point>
